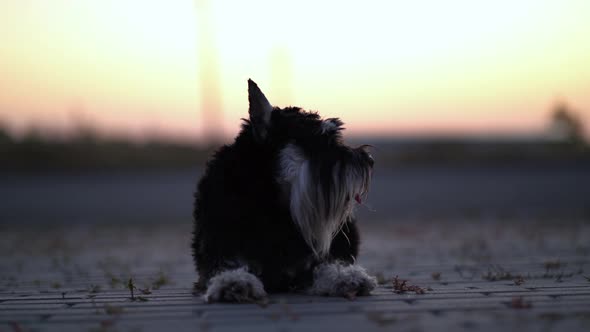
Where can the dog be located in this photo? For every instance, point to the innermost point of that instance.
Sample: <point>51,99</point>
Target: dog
<point>273,211</point>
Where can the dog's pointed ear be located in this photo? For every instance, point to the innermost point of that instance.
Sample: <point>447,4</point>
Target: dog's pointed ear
<point>260,110</point>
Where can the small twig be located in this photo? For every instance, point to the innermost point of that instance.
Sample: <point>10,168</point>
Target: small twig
<point>519,281</point>
<point>400,286</point>
<point>145,291</point>
<point>131,287</point>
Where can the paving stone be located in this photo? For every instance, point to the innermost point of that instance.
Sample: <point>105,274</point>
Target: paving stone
<point>477,276</point>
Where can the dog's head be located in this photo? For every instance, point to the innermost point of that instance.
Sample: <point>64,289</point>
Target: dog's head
<point>320,177</point>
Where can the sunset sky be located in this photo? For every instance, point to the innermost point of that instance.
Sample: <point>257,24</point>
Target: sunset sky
<point>139,67</point>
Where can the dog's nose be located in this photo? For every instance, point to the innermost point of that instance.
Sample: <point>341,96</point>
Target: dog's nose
<point>365,155</point>
<point>371,160</point>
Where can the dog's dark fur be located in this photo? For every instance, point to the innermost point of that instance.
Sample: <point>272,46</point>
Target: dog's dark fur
<point>242,209</point>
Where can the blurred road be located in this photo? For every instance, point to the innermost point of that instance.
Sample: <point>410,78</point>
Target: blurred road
<point>434,192</point>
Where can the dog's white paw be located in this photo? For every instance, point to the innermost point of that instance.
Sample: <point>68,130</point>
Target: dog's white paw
<point>336,279</point>
<point>237,285</point>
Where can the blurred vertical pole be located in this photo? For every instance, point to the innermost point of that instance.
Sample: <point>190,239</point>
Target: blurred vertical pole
<point>281,76</point>
<point>208,80</point>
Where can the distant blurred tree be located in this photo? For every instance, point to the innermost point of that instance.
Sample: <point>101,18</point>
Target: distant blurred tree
<point>566,125</point>
<point>5,137</point>
<point>33,136</point>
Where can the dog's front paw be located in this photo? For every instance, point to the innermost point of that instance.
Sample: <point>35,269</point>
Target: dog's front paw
<point>237,285</point>
<point>335,279</point>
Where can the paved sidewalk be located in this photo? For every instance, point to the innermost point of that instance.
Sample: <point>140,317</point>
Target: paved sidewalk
<point>488,276</point>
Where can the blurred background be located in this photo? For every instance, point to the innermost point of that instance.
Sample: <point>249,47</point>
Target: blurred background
<point>478,110</point>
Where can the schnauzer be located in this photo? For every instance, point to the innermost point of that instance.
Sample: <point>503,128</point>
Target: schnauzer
<point>274,210</point>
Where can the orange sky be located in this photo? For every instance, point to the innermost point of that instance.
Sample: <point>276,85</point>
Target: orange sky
<point>385,67</point>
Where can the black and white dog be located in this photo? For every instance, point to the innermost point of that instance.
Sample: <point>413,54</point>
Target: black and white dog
<point>274,210</point>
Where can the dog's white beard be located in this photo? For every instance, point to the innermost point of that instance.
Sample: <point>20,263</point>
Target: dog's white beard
<point>318,216</point>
